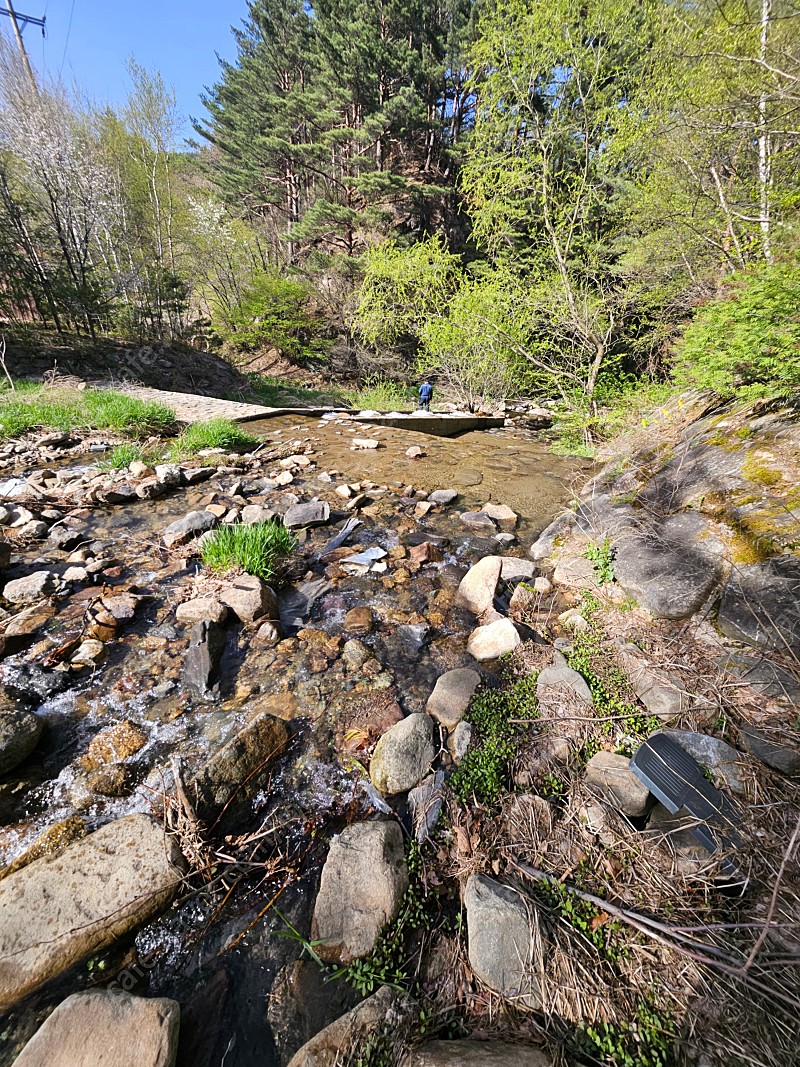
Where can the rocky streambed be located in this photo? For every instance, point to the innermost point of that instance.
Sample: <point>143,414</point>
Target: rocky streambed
<point>231,811</point>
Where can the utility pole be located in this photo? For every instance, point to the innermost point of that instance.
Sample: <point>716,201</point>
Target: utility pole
<point>20,43</point>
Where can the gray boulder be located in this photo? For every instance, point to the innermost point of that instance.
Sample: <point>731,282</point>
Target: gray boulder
<point>19,734</point>
<point>201,668</point>
<point>96,891</point>
<point>500,934</point>
<point>562,677</point>
<point>403,755</point>
<point>670,567</point>
<point>451,696</point>
<point>189,527</point>
<point>478,522</point>
<point>31,588</point>
<point>362,884</point>
<point>106,1028</point>
<point>314,513</point>
<point>443,496</point>
<point>493,641</point>
<point>478,586</point>
<point>761,605</point>
<point>202,609</point>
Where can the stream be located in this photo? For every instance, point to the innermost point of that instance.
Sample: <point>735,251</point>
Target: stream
<point>244,1002</point>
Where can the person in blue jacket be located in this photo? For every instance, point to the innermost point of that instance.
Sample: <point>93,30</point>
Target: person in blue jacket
<point>425,395</point>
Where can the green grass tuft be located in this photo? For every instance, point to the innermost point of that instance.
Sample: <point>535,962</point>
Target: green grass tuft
<point>121,457</point>
<point>257,549</point>
<point>215,433</point>
<point>29,409</point>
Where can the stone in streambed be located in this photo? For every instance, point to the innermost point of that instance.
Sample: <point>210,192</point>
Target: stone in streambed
<point>19,734</point>
<point>500,935</point>
<point>31,588</point>
<point>505,518</point>
<point>106,1028</point>
<point>96,891</point>
<point>403,755</point>
<point>451,696</point>
<point>190,526</point>
<point>493,641</point>
<point>478,522</point>
<point>362,885</point>
<point>358,621</point>
<point>443,496</point>
<point>314,513</point>
<point>478,586</point>
<point>201,668</point>
<point>202,609</point>
<point>250,598</point>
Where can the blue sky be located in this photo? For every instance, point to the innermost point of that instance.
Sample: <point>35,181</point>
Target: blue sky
<point>177,37</point>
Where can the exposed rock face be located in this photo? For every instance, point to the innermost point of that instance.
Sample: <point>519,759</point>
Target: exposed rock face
<point>19,734</point>
<point>499,929</point>
<point>451,696</point>
<point>31,588</point>
<point>236,762</point>
<point>96,890</point>
<point>492,641</point>
<point>478,586</point>
<point>476,1054</point>
<point>250,598</point>
<point>363,881</point>
<point>608,775</point>
<point>190,526</point>
<point>403,755</point>
<point>671,567</point>
<point>761,605</point>
<point>106,1028</point>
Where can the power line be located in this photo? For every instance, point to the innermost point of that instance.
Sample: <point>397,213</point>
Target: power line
<point>66,42</point>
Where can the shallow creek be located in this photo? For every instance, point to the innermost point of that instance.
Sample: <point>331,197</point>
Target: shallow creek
<point>196,953</point>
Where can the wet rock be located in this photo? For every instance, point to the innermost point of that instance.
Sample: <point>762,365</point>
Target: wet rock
<point>189,527</point>
<point>425,803</point>
<point>250,598</point>
<point>114,744</point>
<point>201,667</point>
<point>561,677</point>
<point>493,641</point>
<point>109,781</point>
<point>363,882</point>
<point>31,588</point>
<point>106,1028</point>
<point>403,755</point>
<point>726,764</point>
<point>443,496</point>
<point>411,637</point>
<point>150,489</point>
<point>355,654</point>
<point>244,758</point>
<point>451,696</point>
<point>88,653</point>
<point>33,684</point>
<point>384,1011</point>
<point>761,605</point>
<point>168,475</point>
<point>478,522</point>
<point>467,476</point>
<point>202,609</point>
<point>500,935</point>
<point>478,586</point>
<point>503,515</point>
<point>425,553</point>
<point>476,1054</point>
<point>608,775</point>
<point>358,621</point>
<point>97,890</point>
<point>671,567</point>
<point>314,513</point>
<point>253,513</point>
<point>459,741</point>
<point>364,718</point>
<point>50,842</point>
<point>19,734</point>
<point>659,691</point>
<point>773,752</point>
<point>516,570</point>
<point>5,553</point>
<point>268,634</point>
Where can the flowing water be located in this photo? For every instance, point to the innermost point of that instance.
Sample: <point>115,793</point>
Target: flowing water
<point>199,952</point>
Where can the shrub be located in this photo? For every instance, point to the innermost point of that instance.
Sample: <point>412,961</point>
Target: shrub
<point>215,433</point>
<point>257,549</point>
<point>381,394</point>
<point>746,344</point>
<point>273,313</point>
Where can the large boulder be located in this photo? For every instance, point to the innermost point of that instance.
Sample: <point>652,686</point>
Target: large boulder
<point>403,755</point>
<point>190,526</point>
<point>62,908</point>
<point>106,1028</point>
<point>476,1054</point>
<point>761,605</point>
<point>493,640</point>
<point>363,882</point>
<point>671,567</point>
<point>451,696</point>
<point>478,586</point>
<point>19,734</point>
<point>500,935</point>
<point>240,760</point>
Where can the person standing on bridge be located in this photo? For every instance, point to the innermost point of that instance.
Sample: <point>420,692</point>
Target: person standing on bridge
<point>425,395</point>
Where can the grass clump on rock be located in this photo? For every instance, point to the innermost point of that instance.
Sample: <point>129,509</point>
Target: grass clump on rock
<point>26,409</point>
<point>215,433</point>
<point>257,549</point>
